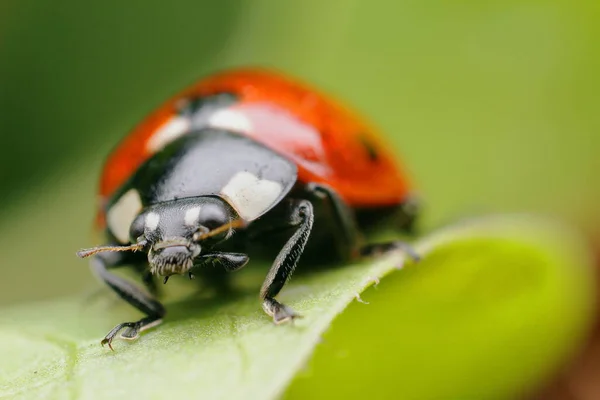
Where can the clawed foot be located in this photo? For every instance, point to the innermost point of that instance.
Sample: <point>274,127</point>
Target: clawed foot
<point>132,330</point>
<point>280,312</point>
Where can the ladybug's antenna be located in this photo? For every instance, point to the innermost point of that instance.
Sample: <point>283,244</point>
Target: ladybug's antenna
<point>238,223</point>
<point>84,253</point>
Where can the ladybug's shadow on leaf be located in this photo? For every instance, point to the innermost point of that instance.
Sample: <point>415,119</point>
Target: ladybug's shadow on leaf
<point>199,305</point>
<point>236,297</point>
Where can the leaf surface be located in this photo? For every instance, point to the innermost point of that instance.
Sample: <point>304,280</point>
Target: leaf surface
<point>479,286</point>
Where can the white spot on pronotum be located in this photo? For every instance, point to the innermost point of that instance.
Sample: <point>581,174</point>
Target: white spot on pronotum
<point>152,220</point>
<point>250,195</point>
<point>191,216</point>
<point>230,119</point>
<point>169,131</point>
<point>120,216</point>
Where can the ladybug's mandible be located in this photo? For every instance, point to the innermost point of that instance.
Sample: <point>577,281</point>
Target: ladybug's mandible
<point>243,162</point>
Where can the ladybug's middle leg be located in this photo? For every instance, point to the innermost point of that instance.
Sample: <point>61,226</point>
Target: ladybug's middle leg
<point>348,238</point>
<point>301,217</point>
<point>218,278</point>
<point>351,244</point>
<point>403,220</point>
<point>153,309</point>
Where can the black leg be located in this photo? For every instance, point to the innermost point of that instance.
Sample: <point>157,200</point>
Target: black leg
<point>149,282</point>
<point>218,279</point>
<point>300,216</point>
<point>229,261</point>
<point>349,241</point>
<point>131,294</point>
<point>348,238</point>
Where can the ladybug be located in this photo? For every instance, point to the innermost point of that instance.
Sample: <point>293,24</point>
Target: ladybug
<point>246,160</point>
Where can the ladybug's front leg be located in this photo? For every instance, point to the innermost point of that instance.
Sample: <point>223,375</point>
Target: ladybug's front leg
<point>229,261</point>
<point>218,278</point>
<point>300,216</point>
<point>131,294</point>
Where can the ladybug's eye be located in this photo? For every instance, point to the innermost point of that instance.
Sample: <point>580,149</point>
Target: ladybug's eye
<point>137,228</point>
<point>213,216</point>
<point>208,217</point>
<point>145,225</point>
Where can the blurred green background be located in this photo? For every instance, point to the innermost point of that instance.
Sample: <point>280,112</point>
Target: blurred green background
<point>492,105</point>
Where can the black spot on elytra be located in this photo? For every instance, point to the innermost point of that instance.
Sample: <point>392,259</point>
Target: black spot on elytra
<point>369,148</point>
<point>205,104</point>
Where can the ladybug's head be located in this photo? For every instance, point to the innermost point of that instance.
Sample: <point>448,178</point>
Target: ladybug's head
<point>175,233</point>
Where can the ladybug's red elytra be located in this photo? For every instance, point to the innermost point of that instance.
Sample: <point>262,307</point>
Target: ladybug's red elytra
<point>245,159</point>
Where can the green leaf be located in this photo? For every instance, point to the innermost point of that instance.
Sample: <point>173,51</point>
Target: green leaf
<point>493,306</point>
<point>490,313</point>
